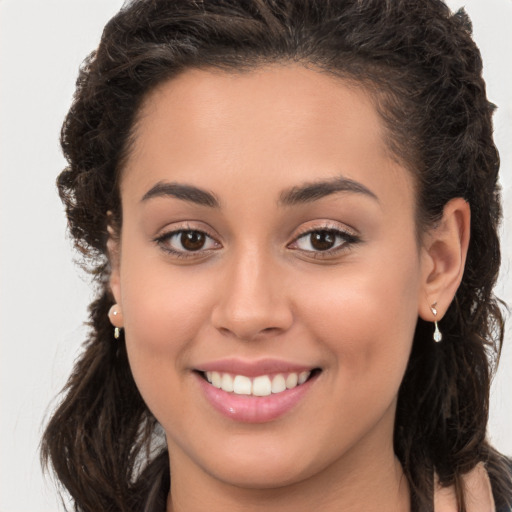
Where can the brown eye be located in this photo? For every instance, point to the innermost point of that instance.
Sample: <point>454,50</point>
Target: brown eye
<point>322,240</point>
<point>326,242</point>
<point>186,242</point>
<point>192,240</point>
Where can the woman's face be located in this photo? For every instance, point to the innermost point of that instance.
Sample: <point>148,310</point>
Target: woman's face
<point>268,237</point>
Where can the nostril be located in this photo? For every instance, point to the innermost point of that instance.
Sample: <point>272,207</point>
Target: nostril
<point>245,333</point>
<point>250,317</point>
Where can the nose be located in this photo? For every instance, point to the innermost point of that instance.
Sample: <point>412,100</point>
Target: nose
<point>253,303</point>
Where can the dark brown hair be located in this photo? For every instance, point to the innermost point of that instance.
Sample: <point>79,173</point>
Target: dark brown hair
<point>425,74</point>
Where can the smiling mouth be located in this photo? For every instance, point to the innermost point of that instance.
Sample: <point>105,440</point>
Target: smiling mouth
<point>262,385</point>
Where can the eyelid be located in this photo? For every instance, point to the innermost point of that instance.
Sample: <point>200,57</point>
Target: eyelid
<point>326,226</point>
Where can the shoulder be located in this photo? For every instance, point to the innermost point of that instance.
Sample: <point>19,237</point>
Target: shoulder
<point>505,484</point>
<point>508,508</point>
<point>478,495</point>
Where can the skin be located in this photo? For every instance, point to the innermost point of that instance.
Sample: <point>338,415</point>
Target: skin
<point>258,288</point>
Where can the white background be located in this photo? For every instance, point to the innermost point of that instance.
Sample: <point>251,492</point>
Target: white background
<point>43,295</point>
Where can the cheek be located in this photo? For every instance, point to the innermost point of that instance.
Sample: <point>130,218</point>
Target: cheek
<point>365,326</point>
<point>366,320</point>
<point>161,303</point>
<point>163,310</point>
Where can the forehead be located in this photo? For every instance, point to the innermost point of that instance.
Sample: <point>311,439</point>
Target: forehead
<point>290,100</point>
<point>278,124</point>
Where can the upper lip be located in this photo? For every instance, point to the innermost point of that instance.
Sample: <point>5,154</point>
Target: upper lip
<point>253,368</point>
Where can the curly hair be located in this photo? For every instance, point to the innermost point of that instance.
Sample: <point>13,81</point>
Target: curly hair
<point>424,72</point>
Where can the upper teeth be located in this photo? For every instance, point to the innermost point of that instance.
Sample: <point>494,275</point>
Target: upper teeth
<point>263,385</point>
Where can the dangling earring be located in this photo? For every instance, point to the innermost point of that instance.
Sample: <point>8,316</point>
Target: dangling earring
<point>112,314</point>
<point>437,333</point>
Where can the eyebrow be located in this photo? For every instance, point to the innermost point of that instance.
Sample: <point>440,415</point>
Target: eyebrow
<point>317,190</point>
<point>291,197</point>
<point>185,192</point>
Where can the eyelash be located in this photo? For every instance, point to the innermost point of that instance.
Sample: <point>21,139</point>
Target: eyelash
<point>349,239</point>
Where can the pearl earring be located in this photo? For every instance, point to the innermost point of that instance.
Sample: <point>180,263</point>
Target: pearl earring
<point>437,333</point>
<point>113,313</point>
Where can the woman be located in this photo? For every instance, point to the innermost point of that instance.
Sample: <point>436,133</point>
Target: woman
<point>291,210</point>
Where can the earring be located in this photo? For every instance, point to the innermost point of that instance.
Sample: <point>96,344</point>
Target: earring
<point>115,313</point>
<point>437,333</point>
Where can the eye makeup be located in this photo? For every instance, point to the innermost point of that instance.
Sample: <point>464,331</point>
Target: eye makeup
<point>321,241</point>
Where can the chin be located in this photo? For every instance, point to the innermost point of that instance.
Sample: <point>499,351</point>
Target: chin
<point>273,475</point>
<point>272,466</point>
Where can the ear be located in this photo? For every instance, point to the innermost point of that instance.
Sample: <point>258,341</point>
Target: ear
<point>444,251</point>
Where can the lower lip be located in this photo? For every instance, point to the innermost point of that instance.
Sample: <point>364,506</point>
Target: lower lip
<point>254,409</point>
